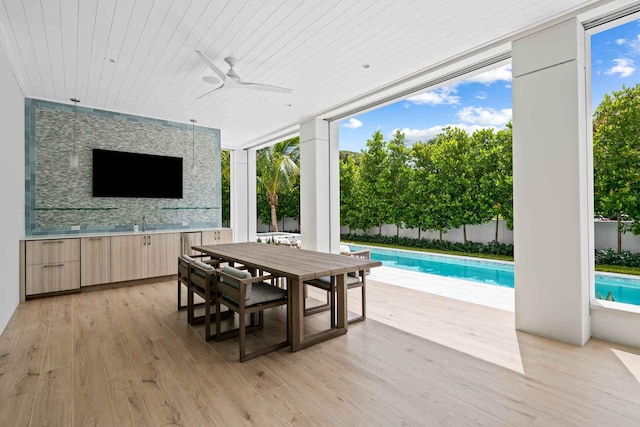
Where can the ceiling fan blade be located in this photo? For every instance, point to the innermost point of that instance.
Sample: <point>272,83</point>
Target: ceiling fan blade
<point>203,95</point>
<point>211,65</point>
<point>263,87</point>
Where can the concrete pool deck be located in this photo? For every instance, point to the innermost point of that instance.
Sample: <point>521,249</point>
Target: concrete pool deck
<point>494,296</point>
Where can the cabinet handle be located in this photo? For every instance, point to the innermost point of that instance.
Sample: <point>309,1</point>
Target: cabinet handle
<point>95,238</point>
<point>149,240</point>
<point>145,240</point>
<point>52,265</point>
<point>46,242</point>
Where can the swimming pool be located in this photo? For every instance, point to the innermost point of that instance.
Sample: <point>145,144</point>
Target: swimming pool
<point>498,273</point>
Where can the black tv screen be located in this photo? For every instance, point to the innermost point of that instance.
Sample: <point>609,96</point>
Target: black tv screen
<point>121,174</point>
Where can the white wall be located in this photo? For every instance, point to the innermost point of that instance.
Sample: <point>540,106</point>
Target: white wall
<point>551,170</point>
<point>290,224</point>
<point>606,236</point>
<point>483,233</point>
<point>319,186</point>
<point>11,187</point>
<point>243,195</point>
<point>611,322</point>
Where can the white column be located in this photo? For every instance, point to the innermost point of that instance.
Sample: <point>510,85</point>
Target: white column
<point>319,186</point>
<point>243,195</point>
<point>552,184</point>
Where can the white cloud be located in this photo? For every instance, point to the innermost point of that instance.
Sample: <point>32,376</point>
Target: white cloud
<point>443,95</point>
<point>634,45</point>
<point>485,116</point>
<point>481,95</point>
<point>624,67</point>
<point>489,77</point>
<point>352,123</point>
<point>414,135</point>
<point>620,42</point>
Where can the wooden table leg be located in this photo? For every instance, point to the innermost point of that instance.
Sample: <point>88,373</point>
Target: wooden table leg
<point>296,312</point>
<point>341,285</point>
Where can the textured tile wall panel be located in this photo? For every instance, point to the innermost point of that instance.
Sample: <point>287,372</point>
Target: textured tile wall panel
<point>59,197</point>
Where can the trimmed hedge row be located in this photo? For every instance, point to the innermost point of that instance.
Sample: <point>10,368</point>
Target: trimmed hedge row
<point>492,248</point>
<point>611,257</point>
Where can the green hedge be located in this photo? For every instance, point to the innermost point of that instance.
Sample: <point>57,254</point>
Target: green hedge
<point>611,257</point>
<point>492,248</point>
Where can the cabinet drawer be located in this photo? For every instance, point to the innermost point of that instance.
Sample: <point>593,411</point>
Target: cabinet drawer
<point>52,251</point>
<point>52,277</point>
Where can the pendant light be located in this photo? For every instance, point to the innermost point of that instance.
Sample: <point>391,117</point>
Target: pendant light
<point>193,145</point>
<point>73,159</point>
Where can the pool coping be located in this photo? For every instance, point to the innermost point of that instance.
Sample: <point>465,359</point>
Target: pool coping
<point>480,260</point>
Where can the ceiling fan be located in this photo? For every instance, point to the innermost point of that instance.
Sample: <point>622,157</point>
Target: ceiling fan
<point>232,79</point>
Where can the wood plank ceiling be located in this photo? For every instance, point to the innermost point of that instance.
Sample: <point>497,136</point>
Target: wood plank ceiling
<point>63,49</point>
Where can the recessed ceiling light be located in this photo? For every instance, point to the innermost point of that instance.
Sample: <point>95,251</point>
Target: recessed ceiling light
<point>365,65</point>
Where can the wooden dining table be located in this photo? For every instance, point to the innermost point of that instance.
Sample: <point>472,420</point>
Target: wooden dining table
<point>297,265</point>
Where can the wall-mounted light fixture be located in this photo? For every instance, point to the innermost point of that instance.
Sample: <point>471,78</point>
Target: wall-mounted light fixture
<point>193,144</point>
<point>73,159</point>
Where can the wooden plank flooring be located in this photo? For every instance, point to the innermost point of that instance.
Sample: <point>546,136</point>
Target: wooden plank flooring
<point>125,356</point>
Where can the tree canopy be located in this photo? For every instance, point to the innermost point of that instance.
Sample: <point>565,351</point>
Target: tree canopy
<point>616,158</point>
<point>452,180</point>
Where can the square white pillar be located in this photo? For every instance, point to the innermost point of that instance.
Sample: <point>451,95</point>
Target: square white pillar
<point>319,186</point>
<point>552,184</point>
<point>243,195</point>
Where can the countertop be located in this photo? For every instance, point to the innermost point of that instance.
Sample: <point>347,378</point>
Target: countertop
<point>121,233</point>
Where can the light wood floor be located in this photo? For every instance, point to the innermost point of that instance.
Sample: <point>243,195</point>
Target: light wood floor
<point>126,357</point>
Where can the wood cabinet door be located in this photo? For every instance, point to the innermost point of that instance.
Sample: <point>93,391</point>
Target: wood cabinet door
<point>209,237</point>
<point>95,259</point>
<point>226,236</point>
<point>52,277</point>
<point>162,254</point>
<point>128,257</point>
<point>188,240</point>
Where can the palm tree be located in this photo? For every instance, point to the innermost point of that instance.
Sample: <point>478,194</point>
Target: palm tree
<point>277,167</point>
<point>225,175</point>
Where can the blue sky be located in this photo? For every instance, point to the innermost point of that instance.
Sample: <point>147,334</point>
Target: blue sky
<point>485,99</point>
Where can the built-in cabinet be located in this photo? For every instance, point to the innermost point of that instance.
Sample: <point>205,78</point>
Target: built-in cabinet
<point>95,260</point>
<point>52,266</point>
<point>162,254</point>
<point>140,256</point>
<point>208,237</point>
<point>128,257</point>
<point>217,237</point>
<point>71,263</point>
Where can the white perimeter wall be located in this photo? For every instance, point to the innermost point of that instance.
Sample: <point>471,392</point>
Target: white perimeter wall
<point>483,233</point>
<point>11,187</point>
<point>606,235</point>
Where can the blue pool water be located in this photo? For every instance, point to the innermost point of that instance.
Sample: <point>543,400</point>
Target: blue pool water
<point>622,289</point>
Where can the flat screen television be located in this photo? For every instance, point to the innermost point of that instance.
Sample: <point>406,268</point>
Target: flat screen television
<point>122,174</point>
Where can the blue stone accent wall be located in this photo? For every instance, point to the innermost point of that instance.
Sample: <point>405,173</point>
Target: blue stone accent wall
<point>58,197</point>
